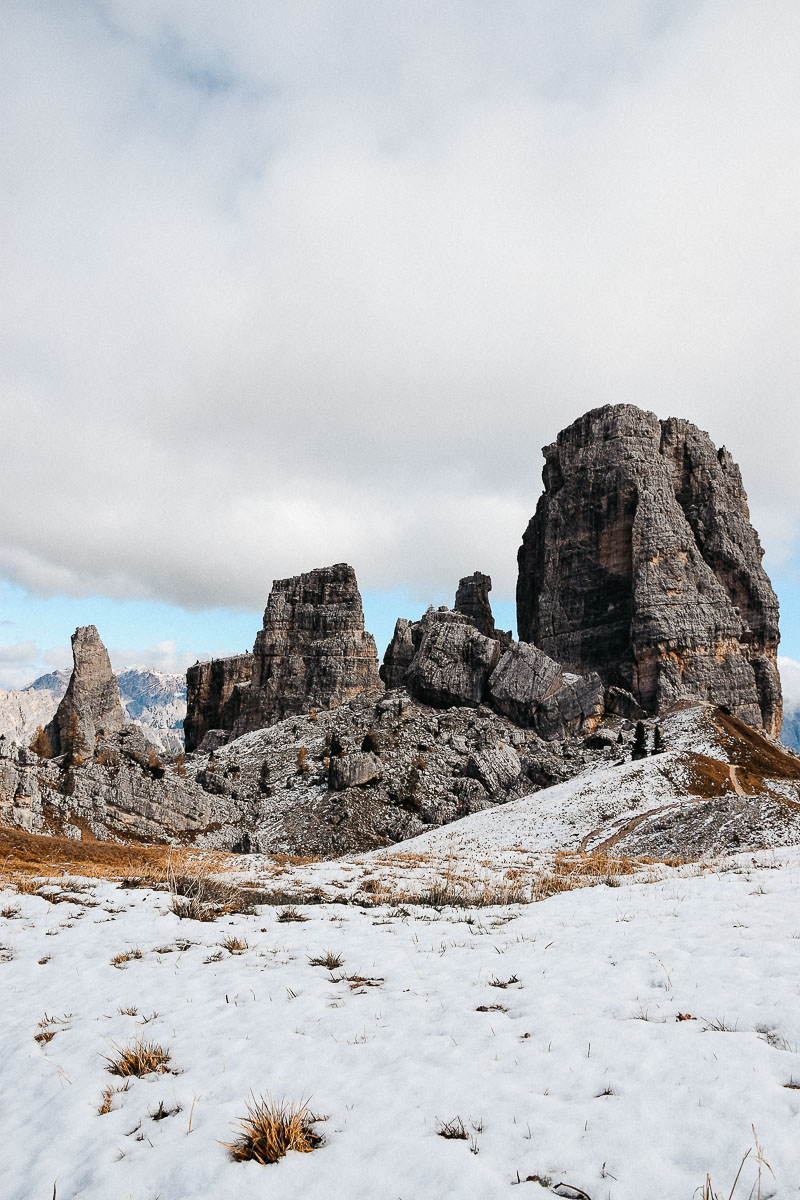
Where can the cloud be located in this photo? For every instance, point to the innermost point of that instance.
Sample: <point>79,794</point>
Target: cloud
<point>163,656</point>
<point>294,284</point>
<point>18,652</point>
<point>22,662</point>
<point>790,682</point>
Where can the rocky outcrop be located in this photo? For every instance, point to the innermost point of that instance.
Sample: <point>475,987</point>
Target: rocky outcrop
<point>531,689</point>
<point>444,661</point>
<point>116,796</point>
<point>453,661</point>
<point>472,599</point>
<point>641,564</point>
<point>438,658</point>
<point>213,697</point>
<point>91,705</point>
<point>312,652</point>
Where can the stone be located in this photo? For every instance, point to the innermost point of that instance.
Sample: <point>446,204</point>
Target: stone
<point>497,769</point>
<point>354,770</point>
<point>399,654</point>
<point>453,661</point>
<point>530,689</point>
<point>91,705</point>
<point>641,564</point>
<point>621,703</point>
<point>312,653</point>
<point>523,679</point>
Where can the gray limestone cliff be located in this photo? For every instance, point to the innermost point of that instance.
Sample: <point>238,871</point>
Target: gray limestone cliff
<point>641,564</point>
<point>91,705</point>
<point>312,652</point>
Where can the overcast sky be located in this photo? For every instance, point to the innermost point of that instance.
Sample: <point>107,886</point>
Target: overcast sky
<point>286,284</point>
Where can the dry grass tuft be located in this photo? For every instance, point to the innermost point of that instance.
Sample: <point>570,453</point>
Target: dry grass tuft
<point>142,1058</point>
<point>106,1104</point>
<point>329,960</point>
<point>503,983</point>
<point>290,914</point>
<point>271,1128</point>
<point>234,945</point>
<point>454,1129</point>
<point>9,912</point>
<point>127,956</point>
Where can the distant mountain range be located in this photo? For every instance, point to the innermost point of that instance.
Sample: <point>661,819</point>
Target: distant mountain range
<point>154,700</point>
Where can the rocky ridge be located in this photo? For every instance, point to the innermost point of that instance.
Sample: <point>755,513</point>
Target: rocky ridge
<point>641,564</point>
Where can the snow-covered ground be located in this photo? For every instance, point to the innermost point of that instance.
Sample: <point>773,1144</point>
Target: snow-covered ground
<point>580,1069</point>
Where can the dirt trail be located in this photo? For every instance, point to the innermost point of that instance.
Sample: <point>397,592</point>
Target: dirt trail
<point>733,774</point>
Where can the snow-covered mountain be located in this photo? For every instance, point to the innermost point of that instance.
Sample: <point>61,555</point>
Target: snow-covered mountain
<point>154,700</point>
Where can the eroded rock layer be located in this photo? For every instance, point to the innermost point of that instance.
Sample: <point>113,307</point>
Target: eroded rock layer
<point>641,564</point>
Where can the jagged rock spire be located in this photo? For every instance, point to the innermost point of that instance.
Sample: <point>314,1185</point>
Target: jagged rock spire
<point>91,702</point>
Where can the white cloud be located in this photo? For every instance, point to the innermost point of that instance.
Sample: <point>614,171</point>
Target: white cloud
<point>291,284</point>
<point>790,682</point>
<point>17,652</point>
<point>163,656</point>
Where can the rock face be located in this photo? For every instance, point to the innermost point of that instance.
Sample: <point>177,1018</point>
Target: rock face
<point>91,703</point>
<point>641,564</point>
<point>210,691</point>
<point>312,652</point>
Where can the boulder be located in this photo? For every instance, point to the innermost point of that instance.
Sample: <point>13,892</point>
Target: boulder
<point>453,661</point>
<point>354,770</point>
<point>498,768</point>
<point>523,679</point>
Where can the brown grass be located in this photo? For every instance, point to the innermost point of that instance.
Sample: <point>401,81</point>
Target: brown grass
<point>329,960</point>
<point>106,1103</point>
<point>36,854</point>
<point>271,1128</point>
<point>234,945</point>
<point>119,960</point>
<point>142,1058</point>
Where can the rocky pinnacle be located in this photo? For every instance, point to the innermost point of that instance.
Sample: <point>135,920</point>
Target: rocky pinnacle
<point>641,563</point>
<point>91,702</point>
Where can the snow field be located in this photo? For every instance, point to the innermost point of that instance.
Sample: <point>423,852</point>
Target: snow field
<point>588,1077</point>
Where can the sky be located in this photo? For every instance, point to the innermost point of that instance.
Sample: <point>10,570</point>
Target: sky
<point>295,283</point>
